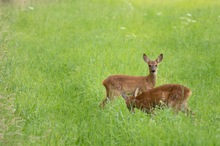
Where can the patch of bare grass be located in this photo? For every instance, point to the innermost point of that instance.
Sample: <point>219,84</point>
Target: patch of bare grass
<point>10,123</point>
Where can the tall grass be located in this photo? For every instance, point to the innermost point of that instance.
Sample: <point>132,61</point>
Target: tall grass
<point>55,55</point>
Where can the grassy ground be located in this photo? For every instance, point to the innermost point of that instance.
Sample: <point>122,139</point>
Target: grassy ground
<point>55,54</point>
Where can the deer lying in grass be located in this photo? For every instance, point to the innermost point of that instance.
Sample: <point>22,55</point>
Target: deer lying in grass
<point>115,83</point>
<point>171,95</point>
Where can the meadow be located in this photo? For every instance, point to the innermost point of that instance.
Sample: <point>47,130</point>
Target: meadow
<point>54,55</point>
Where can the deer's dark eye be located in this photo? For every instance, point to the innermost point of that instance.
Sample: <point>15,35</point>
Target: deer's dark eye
<point>149,65</point>
<point>155,65</point>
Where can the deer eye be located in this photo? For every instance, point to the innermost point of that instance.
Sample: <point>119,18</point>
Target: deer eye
<point>155,65</point>
<point>149,65</point>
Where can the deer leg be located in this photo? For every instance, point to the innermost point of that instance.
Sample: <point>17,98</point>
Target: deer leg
<point>103,103</point>
<point>189,112</point>
<point>185,109</point>
<point>109,96</point>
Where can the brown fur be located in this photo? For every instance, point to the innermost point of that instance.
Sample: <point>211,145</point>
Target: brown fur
<point>171,95</point>
<point>115,83</point>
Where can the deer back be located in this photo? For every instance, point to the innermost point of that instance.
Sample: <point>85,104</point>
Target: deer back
<point>126,83</point>
<point>171,95</point>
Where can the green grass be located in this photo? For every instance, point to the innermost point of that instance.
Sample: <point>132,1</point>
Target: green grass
<point>55,54</point>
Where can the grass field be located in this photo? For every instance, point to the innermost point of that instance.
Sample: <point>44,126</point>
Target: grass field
<point>55,54</point>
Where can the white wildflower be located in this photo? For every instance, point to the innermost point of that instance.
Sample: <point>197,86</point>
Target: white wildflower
<point>31,8</point>
<point>159,13</point>
<point>188,20</point>
<point>189,15</point>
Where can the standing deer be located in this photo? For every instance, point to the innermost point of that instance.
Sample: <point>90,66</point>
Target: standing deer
<point>115,83</point>
<point>171,95</point>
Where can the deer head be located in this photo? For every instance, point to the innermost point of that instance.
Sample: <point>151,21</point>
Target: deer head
<point>153,64</point>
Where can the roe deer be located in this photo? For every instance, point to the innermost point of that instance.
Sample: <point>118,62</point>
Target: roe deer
<point>171,95</point>
<point>115,83</point>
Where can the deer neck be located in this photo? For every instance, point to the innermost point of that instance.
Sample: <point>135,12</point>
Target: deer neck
<point>151,79</point>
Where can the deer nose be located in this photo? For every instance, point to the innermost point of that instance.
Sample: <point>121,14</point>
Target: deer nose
<point>153,71</point>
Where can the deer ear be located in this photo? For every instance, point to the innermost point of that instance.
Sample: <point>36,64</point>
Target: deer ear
<point>160,58</point>
<point>146,59</point>
<point>124,95</point>
<point>136,91</point>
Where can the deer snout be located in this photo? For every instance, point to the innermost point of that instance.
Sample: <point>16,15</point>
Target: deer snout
<point>153,71</point>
